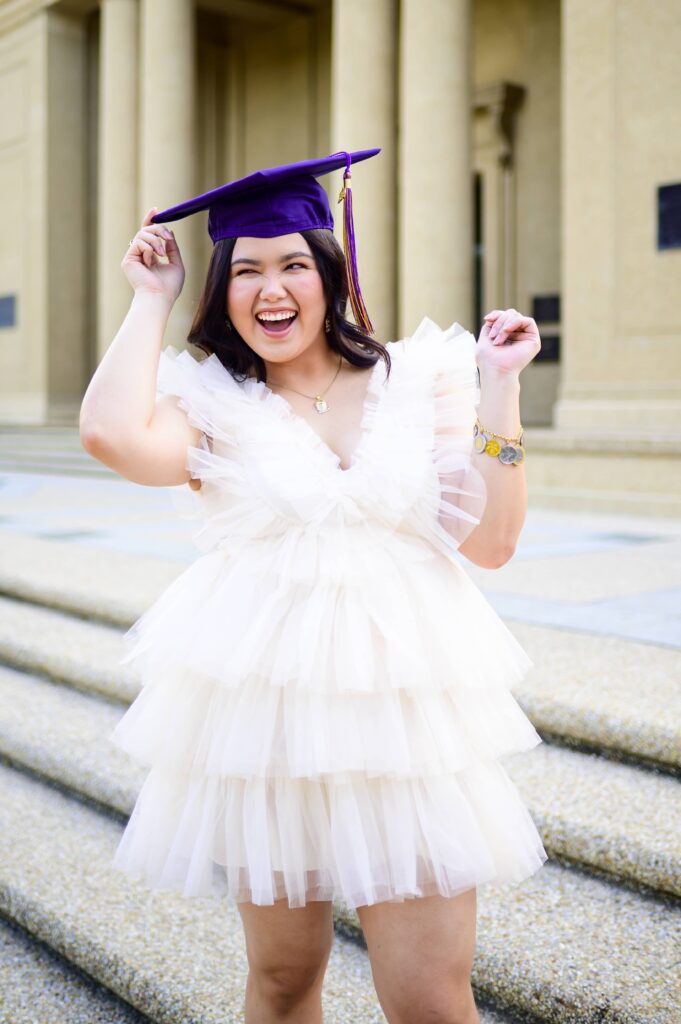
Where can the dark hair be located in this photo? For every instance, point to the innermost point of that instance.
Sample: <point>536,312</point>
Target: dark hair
<point>210,333</point>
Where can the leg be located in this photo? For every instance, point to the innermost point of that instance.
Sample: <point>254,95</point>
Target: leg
<point>421,954</point>
<point>288,950</point>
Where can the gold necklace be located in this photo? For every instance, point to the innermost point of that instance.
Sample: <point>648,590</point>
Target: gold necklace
<point>320,403</point>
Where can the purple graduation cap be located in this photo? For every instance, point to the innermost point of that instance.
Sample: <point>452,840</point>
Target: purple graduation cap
<point>281,201</point>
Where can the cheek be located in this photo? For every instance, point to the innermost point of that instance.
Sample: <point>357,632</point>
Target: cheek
<point>239,295</point>
<point>311,294</point>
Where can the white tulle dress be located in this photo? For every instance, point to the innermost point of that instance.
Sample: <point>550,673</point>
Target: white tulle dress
<point>325,693</point>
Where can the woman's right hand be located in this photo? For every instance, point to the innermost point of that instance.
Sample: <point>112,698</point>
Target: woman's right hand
<point>142,262</point>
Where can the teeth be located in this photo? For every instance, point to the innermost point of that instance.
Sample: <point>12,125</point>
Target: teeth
<point>275,316</point>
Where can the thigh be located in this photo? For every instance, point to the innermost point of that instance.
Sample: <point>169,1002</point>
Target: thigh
<point>421,953</point>
<point>279,937</point>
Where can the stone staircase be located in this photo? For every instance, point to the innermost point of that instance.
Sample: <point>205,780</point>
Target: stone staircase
<point>46,449</point>
<point>594,936</point>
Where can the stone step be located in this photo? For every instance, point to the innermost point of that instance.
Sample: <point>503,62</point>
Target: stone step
<point>40,437</point>
<point>585,690</point>
<point>95,583</point>
<point>61,465</point>
<point>66,648</point>
<point>15,445</point>
<point>54,451</point>
<point>560,947</point>
<point>618,697</point>
<point>607,817</point>
<point>36,984</point>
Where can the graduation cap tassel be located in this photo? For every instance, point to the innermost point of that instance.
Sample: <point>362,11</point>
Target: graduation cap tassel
<point>359,310</point>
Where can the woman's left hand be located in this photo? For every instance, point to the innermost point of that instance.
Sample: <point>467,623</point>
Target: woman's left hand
<point>508,341</point>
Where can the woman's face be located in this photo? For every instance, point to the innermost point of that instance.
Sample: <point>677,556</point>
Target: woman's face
<point>275,297</point>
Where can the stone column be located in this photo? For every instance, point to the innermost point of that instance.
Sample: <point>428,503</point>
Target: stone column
<point>435,164</point>
<point>621,362</point>
<point>117,207</point>
<point>364,115</point>
<point>167,137</point>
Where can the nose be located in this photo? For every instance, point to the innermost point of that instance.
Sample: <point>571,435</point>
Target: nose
<point>272,287</point>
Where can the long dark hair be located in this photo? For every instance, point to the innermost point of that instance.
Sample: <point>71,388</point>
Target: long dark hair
<point>210,333</point>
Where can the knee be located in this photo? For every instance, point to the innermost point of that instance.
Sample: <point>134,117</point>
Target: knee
<point>440,1008</point>
<point>284,987</point>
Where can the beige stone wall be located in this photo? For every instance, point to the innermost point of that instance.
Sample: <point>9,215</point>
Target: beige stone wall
<point>621,139</point>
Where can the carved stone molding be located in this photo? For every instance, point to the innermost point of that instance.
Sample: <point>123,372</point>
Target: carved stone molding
<point>500,101</point>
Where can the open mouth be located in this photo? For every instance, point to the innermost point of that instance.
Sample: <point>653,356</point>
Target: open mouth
<point>276,323</point>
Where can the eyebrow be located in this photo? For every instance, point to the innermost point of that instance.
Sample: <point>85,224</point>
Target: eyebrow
<point>288,256</point>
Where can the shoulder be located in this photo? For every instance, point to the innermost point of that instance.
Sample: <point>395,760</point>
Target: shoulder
<point>177,371</point>
<point>180,373</point>
<point>436,353</point>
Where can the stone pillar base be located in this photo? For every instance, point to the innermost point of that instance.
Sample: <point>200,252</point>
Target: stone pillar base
<point>639,415</point>
<point>597,471</point>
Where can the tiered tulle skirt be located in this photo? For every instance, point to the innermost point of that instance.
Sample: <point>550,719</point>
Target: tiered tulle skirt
<point>323,719</point>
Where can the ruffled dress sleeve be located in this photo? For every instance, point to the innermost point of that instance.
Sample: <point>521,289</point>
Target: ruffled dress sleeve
<point>181,375</point>
<point>201,388</point>
<point>227,505</point>
<point>445,361</point>
<point>463,492</point>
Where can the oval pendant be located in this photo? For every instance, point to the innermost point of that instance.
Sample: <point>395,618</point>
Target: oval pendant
<point>320,405</point>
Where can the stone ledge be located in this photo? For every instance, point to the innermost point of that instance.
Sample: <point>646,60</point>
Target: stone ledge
<point>601,442</point>
<point>36,984</point>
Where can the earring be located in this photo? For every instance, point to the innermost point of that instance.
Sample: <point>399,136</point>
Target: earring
<point>228,324</point>
<point>327,324</point>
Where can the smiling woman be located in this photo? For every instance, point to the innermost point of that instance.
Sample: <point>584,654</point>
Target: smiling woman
<point>251,280</point>
<point>326,696</point>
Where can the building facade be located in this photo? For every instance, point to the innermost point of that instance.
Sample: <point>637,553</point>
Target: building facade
<point>531,157</point>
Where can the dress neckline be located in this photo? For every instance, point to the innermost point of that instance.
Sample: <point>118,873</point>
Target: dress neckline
<point>282,407</point>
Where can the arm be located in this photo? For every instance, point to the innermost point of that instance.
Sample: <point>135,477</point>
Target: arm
<point>121,422</point>
<point>507,343</point>
<point>493,541</point>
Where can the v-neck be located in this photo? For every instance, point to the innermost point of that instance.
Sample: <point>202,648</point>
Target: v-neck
<point>370,404</point>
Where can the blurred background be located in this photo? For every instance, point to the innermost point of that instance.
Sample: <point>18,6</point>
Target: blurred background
<point>531,158</point>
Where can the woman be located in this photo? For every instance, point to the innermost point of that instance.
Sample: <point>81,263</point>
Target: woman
<point>326,694</point>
